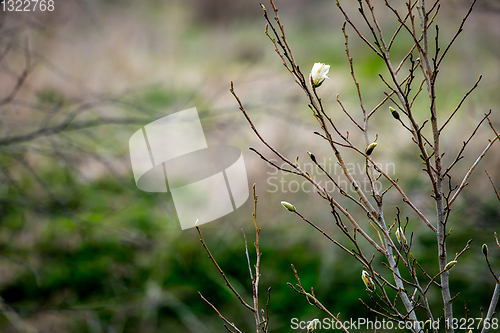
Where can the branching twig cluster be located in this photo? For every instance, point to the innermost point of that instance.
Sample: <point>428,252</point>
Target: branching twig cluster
<point>261,315</point>
<point>423,59</point>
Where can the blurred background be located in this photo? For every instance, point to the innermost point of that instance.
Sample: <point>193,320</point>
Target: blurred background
<point>83,250</point>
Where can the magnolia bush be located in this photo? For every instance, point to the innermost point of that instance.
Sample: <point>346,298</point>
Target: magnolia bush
<point>399,292</point>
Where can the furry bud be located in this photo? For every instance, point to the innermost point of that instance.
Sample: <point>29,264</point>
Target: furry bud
<point>313,158</point>
<point>394,113</point>
<point>401,236</point>
<point>311,299</point>
<point>450,265</point>
<point>370,148</point>
<point>289,206</point>
<point>367,279</point>
<point>485,250</point>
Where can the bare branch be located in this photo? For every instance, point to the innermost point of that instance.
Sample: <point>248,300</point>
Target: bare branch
<point>221,273</point>
<point>461,102</point>
<point>220,315</point>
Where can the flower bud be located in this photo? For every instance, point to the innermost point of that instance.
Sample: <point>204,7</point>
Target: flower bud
<point>401,236</point>
<point>370,148</point>
<point>318,74</point>
<point>450,265</point>
<point>312,325</point>
<point>311,299</point>
<point>485,250</point>
<point>394,113</point>
<point>313,158</point>
<point>289,206</point>
<point>368,281</point>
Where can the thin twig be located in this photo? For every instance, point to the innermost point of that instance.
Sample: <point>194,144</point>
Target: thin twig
<point>221,272</point>
<point>220,315</point>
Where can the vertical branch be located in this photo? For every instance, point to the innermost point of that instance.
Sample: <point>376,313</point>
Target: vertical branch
<point>491,309</point>
<point>430,75</point>
<point>255,283</point>
<point>261,324</point>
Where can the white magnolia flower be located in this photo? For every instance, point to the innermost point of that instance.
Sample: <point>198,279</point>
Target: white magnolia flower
<point>318,74</point>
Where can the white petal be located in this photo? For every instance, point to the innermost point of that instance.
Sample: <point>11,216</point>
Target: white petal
<point>319,73</point>
<point>325,71</point>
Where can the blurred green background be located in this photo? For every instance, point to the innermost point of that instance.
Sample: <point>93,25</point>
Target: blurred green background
<point>83,250</point>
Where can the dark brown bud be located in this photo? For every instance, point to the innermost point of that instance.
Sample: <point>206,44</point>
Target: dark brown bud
<point>370,148</point>
<point>485,250</point>
<point>313,158</point>
<point>394,113</point>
